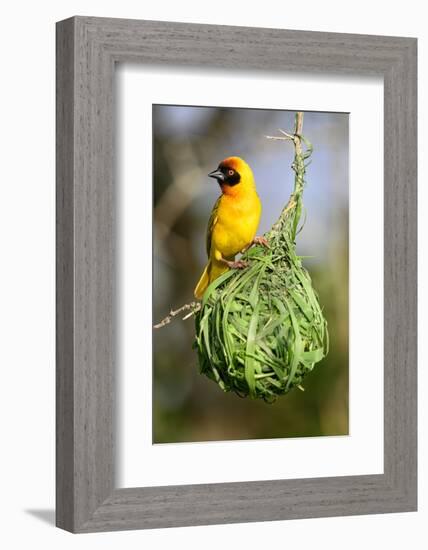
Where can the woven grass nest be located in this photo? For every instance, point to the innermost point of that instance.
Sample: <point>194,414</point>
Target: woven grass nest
<point>260,330</point>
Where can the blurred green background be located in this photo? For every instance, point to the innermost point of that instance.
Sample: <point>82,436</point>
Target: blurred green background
<point>188,142</point>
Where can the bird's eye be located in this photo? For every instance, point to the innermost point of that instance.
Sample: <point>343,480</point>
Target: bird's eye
<point>231,172</point>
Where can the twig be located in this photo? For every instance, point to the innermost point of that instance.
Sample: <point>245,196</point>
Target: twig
<point>299,123</point>
<point>194,307</point>
<point>288,136</point>
<point>299,168</point>
<point>279,138</point>
<point>298,132</point>
<point>296,137</point>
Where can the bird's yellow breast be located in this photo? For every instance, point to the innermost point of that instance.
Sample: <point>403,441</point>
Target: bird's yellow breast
<point>237,221</point>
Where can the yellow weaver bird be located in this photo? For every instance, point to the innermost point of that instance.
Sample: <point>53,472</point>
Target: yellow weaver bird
<point>233,222</point>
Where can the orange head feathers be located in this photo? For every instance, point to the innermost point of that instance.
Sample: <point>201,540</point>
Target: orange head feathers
<point>233,175</point>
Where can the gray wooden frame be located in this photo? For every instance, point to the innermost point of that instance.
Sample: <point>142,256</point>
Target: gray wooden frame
<point>87,50</point>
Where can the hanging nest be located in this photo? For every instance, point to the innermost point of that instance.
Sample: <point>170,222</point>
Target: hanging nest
<point>260,330</point>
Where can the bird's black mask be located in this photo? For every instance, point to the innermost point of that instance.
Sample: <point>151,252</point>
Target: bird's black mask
<point>225,174</point>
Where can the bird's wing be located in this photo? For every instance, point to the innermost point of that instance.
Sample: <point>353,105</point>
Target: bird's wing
<point>211,223</point>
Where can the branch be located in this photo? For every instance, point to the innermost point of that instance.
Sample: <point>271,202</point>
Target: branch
<point>194,307</point>
<point>299,123</point>
<point>285,136</point>
<point>298,132</point>
<point>295,137</point>
<point>298,166</point>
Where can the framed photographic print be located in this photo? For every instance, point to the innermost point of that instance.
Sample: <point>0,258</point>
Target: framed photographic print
<point>236,274</point>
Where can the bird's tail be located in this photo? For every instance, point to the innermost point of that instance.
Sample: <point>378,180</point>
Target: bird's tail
<point>211,272</point>
<point>203,283</point>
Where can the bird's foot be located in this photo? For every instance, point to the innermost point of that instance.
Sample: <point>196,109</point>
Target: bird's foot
<point>261,240</point>
<point>257,240</point>
<point>239,264</point>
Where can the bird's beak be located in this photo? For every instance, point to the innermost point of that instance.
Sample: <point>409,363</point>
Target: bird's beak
<point>217,174</point>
